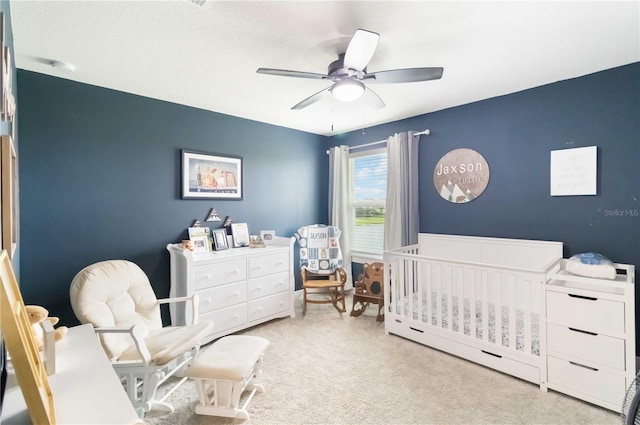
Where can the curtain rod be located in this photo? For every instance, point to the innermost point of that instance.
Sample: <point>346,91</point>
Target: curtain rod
<point>379,142</point>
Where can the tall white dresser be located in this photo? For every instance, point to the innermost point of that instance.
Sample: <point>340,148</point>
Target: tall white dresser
<point>591,350</point>
<point>237,288</point>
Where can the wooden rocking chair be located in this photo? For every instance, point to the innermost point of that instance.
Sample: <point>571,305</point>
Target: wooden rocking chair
<point>369,289</point>
<point>323,277</point>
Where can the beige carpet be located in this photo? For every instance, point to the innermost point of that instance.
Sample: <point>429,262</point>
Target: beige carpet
<point>327,368</point>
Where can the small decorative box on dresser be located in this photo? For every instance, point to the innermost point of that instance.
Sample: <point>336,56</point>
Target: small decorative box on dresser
<point>591,351</point>
<point>237,288</point>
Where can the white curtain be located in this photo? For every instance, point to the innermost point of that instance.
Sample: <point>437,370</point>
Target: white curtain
<point>402,222</point>
<point>339,211</point>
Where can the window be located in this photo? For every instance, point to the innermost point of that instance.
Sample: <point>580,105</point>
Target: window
<point>368,196</point>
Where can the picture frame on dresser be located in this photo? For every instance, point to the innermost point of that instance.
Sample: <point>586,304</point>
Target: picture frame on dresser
<point>211,176</point>
<point>240,233</point>
<point>220,241</point>
<point>268,236</point>
<point>200,238</point>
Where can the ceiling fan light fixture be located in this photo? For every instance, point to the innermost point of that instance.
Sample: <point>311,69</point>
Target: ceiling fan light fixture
<point>347,90</point>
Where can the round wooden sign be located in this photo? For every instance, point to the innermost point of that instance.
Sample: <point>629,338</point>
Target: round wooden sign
<point>461,175</point>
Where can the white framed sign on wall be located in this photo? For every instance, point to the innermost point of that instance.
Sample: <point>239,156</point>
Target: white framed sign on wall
<point>574,171</point>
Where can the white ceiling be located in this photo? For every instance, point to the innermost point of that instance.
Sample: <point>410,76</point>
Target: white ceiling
<point>206,56</point>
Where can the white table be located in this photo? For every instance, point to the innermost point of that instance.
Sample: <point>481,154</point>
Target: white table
<point>85,388</point>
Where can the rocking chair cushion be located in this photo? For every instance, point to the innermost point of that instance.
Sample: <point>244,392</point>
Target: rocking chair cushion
<point>168,343</point>
<point>115,293</point>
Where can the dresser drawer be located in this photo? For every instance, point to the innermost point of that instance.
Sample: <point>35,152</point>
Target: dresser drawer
<point>591,314</point>
<point>595,348</point>
<point>223,296</point>
<point>219,273</point>
<point>600,384</point>
<point>226,318</point>
<point>267,306</point>
<point>268,264</point>
<point>267,285</point>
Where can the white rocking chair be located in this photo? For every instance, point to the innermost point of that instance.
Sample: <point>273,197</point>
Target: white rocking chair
<point>116,297</point>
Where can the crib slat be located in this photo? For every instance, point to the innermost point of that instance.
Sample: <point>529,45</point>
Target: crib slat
<point>511,284</point>
<point>438,295</point>
<point>408,285</point>
<point>448,291</point>
<point>400,287</point>
<point>460,292</point>
<point>475,277</point>
<point>497,308</point>
<point>425,294</point>
<point>485,306</point>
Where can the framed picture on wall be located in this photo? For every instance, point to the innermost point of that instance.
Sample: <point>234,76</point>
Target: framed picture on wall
<point>211,176</point>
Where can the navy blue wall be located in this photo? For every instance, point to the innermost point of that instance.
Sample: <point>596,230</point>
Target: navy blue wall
<point>100,179</point>
<point>516,134</point>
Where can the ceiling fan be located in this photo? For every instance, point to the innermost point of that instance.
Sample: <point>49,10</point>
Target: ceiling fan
<point>349,73</point>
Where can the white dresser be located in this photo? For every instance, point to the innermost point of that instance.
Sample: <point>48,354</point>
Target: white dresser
<point>237,288</point>
<point>591,351</point>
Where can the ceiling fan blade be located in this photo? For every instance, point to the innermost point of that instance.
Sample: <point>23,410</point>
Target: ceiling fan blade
<point>372,98</point>
<point>313,99</point>
<point>287,73</point>
<point>408,75</point>
<point>360,49</point>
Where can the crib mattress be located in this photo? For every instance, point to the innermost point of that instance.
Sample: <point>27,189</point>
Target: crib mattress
<point>491,320</point>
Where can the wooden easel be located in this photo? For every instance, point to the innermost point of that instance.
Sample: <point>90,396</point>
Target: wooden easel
<point>21,345</point>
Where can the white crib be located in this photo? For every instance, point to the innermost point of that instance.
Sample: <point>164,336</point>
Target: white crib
<point>478,298</point>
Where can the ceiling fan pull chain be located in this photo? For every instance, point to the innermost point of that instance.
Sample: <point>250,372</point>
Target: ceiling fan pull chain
<point>363,123</point>
<point>331,116</point>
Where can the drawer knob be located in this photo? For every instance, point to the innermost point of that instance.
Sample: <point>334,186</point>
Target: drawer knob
<point>206,301</point>
<point>207,276</point>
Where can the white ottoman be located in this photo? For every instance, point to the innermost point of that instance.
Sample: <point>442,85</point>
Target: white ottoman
<point>222,372</point>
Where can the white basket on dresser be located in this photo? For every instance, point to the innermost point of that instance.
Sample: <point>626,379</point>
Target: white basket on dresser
<point>237,288</point>
<point>591,352</point>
